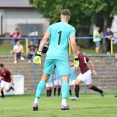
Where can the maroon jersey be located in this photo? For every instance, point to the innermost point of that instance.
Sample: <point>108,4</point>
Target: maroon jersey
<point>82,63</point>
<point>5,75</point>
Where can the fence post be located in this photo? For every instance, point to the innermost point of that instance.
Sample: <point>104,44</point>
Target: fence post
<point>69,48</point>
<point>35,78</point>
<point>111,47</point>
<point>26,46</point>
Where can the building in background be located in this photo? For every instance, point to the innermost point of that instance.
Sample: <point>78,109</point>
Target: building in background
<point>20,14</point>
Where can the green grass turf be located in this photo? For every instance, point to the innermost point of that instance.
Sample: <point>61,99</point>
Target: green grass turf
<point>5,49</point>
<point>90,105</point>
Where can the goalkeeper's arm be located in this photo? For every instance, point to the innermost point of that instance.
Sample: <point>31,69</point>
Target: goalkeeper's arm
<point>43,41</point>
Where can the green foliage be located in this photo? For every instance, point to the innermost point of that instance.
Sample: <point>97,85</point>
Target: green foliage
<point>83,12</point>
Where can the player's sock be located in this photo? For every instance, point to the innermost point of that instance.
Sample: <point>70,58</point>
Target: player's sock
<point>36,101</point>
<point>40,88</point>
<point>50,92</point>
<point>59,91</point>
<point>65,92</point>
<point>96,89</point>
<point>47,93</point>
<point>77,88</point>
<point>54,91</point>
<point>2,94</point>
<point>11,88</point>
<point>70,92</point>
<point>64,102</point>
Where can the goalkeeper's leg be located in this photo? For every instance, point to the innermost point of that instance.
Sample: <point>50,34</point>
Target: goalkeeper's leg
<point>39,90</point>
<point>65,92</point>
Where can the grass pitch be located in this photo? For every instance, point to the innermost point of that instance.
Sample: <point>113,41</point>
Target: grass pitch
<point>89,105</point>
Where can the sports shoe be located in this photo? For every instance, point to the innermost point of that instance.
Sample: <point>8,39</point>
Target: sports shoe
<point>22,58</point>
<point>35,107</point>
<point>102,95</point>
<point>15,62</point>
<point>29,61</point>
<point>116,95</point>
<point>74,98</point>
<point>65,107</point>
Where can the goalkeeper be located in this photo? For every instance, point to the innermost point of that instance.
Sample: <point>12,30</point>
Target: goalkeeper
<point>57,55</point>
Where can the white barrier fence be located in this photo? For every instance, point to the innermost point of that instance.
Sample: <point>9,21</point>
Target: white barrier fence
<point>18,85</point>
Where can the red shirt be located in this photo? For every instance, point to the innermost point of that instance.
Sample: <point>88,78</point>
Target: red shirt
<point>82,63</point>
<point>5,75</point>
<point>18,33</point>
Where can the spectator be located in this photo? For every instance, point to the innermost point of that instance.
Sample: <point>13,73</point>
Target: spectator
<point>96,39</point>
<point>31,51</point>
<point>108,36</point>
<point>18,51</point>
<point>16,35</point>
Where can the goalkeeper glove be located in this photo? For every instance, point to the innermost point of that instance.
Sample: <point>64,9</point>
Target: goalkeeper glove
<point>37,58</point>
<point>76,61</point>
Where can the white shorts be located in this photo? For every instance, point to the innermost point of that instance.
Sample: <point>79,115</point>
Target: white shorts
<point>57,82</point>
<point>86,77</point>
<point>71,83</point>
<point>49,84</point>
<point>5,85</point>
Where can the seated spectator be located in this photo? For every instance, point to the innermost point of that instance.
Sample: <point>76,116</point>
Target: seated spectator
<point>18,51</point>
<point>31,51</point>
<point>15,36</point>
<point>108,36</point>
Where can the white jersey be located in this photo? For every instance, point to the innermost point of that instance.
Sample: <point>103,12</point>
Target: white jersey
<point>18,48</point>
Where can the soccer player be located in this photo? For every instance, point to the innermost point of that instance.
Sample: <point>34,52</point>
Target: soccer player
<point>57,82</point>
<point>73,74</point>
<point>49,86</point>
<point>57,55</point>
<point>85,75</point>
<point>7,80</point>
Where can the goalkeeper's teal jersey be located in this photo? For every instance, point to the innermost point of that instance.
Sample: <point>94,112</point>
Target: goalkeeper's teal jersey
<point>59,38</point>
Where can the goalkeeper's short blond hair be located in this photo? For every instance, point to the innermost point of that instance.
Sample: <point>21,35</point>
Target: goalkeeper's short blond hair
<point>65,14</point>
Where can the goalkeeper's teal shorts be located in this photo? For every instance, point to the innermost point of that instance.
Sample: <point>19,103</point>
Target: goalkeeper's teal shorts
<point>62,66</point>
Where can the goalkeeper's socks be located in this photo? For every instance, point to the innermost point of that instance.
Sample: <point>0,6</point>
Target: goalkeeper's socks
<point>40,88</point>
<point>70,92</point>
<point>54,91</point>
<point>95,89</point>
<point>64,102</point>
<point>65,90</point>
<point>77,88</point>
<point>59,91</point>
<point>2,94</point>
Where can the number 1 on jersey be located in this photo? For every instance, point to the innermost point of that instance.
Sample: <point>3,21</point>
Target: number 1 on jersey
<point>59,40</point>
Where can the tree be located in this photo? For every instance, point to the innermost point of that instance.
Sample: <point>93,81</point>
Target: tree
<point>83,12</point>
<point>52,8</point>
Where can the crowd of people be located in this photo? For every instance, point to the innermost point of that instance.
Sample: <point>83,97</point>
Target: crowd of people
<point>18,50</point>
